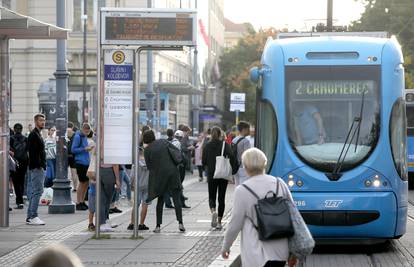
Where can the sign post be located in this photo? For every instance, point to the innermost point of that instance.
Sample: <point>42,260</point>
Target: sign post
<point>237,104</point>
<point>119,93</point>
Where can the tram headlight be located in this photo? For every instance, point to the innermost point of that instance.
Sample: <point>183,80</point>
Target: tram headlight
<point>376,183</point>
<point>368,183</point>
<point>291,183</point>
<point>299,183</point>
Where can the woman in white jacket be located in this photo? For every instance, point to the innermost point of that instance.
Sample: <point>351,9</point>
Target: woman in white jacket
<point>255,253</point>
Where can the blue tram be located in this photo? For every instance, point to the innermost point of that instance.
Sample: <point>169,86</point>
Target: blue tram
<point>331,119</point>
<point>409,98</point>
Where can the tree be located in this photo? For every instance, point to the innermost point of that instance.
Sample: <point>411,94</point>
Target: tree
<point>395,17</point>
<point>235,65</point>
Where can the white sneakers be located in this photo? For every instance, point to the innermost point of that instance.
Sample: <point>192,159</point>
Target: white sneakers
<point>106,228</point>
<point>35,221</point>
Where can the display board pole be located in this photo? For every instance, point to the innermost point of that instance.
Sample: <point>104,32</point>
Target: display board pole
<point>237,116</point>
<point>136,139</point>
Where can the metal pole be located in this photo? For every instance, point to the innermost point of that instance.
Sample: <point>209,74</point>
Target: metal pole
<point>136,135</point>
<point>329,22</point>
<point>196,98</point>
<point>99,126</point>
<point>85,29</point>
<point>62,200</point>
<point>237,116</point>
<point>149,94</point>
<point>5,133</point>
<point>158,113</point>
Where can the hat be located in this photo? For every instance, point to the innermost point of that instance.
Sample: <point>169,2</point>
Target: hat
<point>179,133</point>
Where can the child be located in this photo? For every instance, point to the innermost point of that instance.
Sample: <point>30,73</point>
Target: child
<point>142,193</point>
<point>92,184</point>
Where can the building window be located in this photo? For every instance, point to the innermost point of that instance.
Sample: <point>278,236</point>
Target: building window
<point>92,10</point>
<point>6,3</point>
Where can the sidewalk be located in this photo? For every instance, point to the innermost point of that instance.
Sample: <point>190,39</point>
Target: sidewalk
<point>198,246</point>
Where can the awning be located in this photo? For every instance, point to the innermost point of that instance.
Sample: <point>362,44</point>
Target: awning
<point>175,88</point>
<point>17,26</point>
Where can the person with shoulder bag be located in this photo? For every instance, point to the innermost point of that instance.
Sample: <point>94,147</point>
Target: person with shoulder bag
<point>217,151</point>
<point>262,244</point>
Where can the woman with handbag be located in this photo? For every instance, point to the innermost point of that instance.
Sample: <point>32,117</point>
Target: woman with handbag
<point>216,158</point>
<point>255,252</point>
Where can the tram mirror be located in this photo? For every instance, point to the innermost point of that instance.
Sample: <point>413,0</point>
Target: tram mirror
<point>254,74</point>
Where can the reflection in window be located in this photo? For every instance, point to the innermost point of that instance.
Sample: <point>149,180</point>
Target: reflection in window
<point>323,103</point>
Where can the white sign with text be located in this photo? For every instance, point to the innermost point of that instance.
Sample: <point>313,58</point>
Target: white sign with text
<point>118,106</point>
<point>238,102</point>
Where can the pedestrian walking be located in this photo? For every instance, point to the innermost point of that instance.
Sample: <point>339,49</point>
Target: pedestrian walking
<point>179,135</point>
<point>161,160</point>
<point>50,149</point>
<point>240,144</point>
<point>255,252</point>
<point>70,134</point>
<point>210,152</point>
<point>37,167</point>
<point>18,144</point>
<point>125,173</point>
<point>91,173</point>
<point>80,149</point>
<point>142,192</point>
<point>198,153</point>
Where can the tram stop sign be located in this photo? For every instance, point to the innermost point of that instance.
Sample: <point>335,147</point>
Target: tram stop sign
<point>148,27</point>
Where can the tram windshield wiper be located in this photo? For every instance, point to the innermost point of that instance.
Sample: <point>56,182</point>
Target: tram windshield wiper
<point>353,131</point>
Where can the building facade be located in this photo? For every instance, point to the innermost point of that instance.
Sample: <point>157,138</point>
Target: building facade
<point>33,63</point>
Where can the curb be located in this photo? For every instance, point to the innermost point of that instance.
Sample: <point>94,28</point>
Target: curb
<point>234,259</point>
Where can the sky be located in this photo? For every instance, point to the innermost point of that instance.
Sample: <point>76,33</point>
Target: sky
<point>298,15</point>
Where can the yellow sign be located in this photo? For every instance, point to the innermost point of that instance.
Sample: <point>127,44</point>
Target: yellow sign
<point>118,57</point>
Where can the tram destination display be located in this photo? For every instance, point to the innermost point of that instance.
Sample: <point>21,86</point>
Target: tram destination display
<point>149,28</point>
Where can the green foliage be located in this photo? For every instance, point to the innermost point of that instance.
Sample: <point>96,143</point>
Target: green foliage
<point>235,64</point>
<point>395,17</point>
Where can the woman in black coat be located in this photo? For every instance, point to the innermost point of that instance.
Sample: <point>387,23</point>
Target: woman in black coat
<point>163,176</point>
<point>210,152</point>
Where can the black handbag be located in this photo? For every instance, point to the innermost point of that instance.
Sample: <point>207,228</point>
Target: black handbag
<point>273,217</point>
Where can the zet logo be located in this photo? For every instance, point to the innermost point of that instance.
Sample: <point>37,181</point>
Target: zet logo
<point>118,57</point>
<point>333,203</point>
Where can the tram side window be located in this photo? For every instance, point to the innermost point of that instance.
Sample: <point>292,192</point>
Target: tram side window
<point>398,138</point>
<point>268,132</point>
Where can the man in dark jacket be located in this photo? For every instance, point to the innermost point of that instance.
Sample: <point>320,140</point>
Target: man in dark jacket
<point>80,149</point>
<point>18,144</point>
<point>37,167</point>
<point>163,176</point>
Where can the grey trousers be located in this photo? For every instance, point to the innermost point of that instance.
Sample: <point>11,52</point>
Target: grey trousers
<point>107,191</point>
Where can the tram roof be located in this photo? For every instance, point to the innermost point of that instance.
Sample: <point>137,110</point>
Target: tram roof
<point>323,42</point>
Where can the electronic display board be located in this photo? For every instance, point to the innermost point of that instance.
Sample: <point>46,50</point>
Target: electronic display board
<point>149,27</point>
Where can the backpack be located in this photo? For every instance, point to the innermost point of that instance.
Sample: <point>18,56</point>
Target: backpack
<point>237,165</point>
<point>20,148</point>
<point>273,216</point>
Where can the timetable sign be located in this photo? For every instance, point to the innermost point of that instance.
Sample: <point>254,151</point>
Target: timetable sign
<point>156,27</point>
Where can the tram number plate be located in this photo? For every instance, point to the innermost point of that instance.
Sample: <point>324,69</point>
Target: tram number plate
<point>300,203</point>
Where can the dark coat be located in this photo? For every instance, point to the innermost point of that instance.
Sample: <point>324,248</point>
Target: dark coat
<point>163,173</point>
<point>211,151</point>
<point>36,148</point>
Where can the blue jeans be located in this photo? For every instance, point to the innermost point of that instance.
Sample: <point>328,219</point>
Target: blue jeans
<point>34,191</point>
<point>125,178</point>
<point>50,172</point>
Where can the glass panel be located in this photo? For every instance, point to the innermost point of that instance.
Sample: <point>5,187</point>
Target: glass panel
<point>268,132</point>
<point>398,138</point>
<point>323,104</point>
<point>410,116</point>
<point>77,13</point>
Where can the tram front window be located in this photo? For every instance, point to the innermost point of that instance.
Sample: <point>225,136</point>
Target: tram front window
<point>322,104</point>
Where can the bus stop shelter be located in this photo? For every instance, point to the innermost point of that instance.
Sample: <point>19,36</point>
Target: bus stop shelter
<point>14,26</point>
